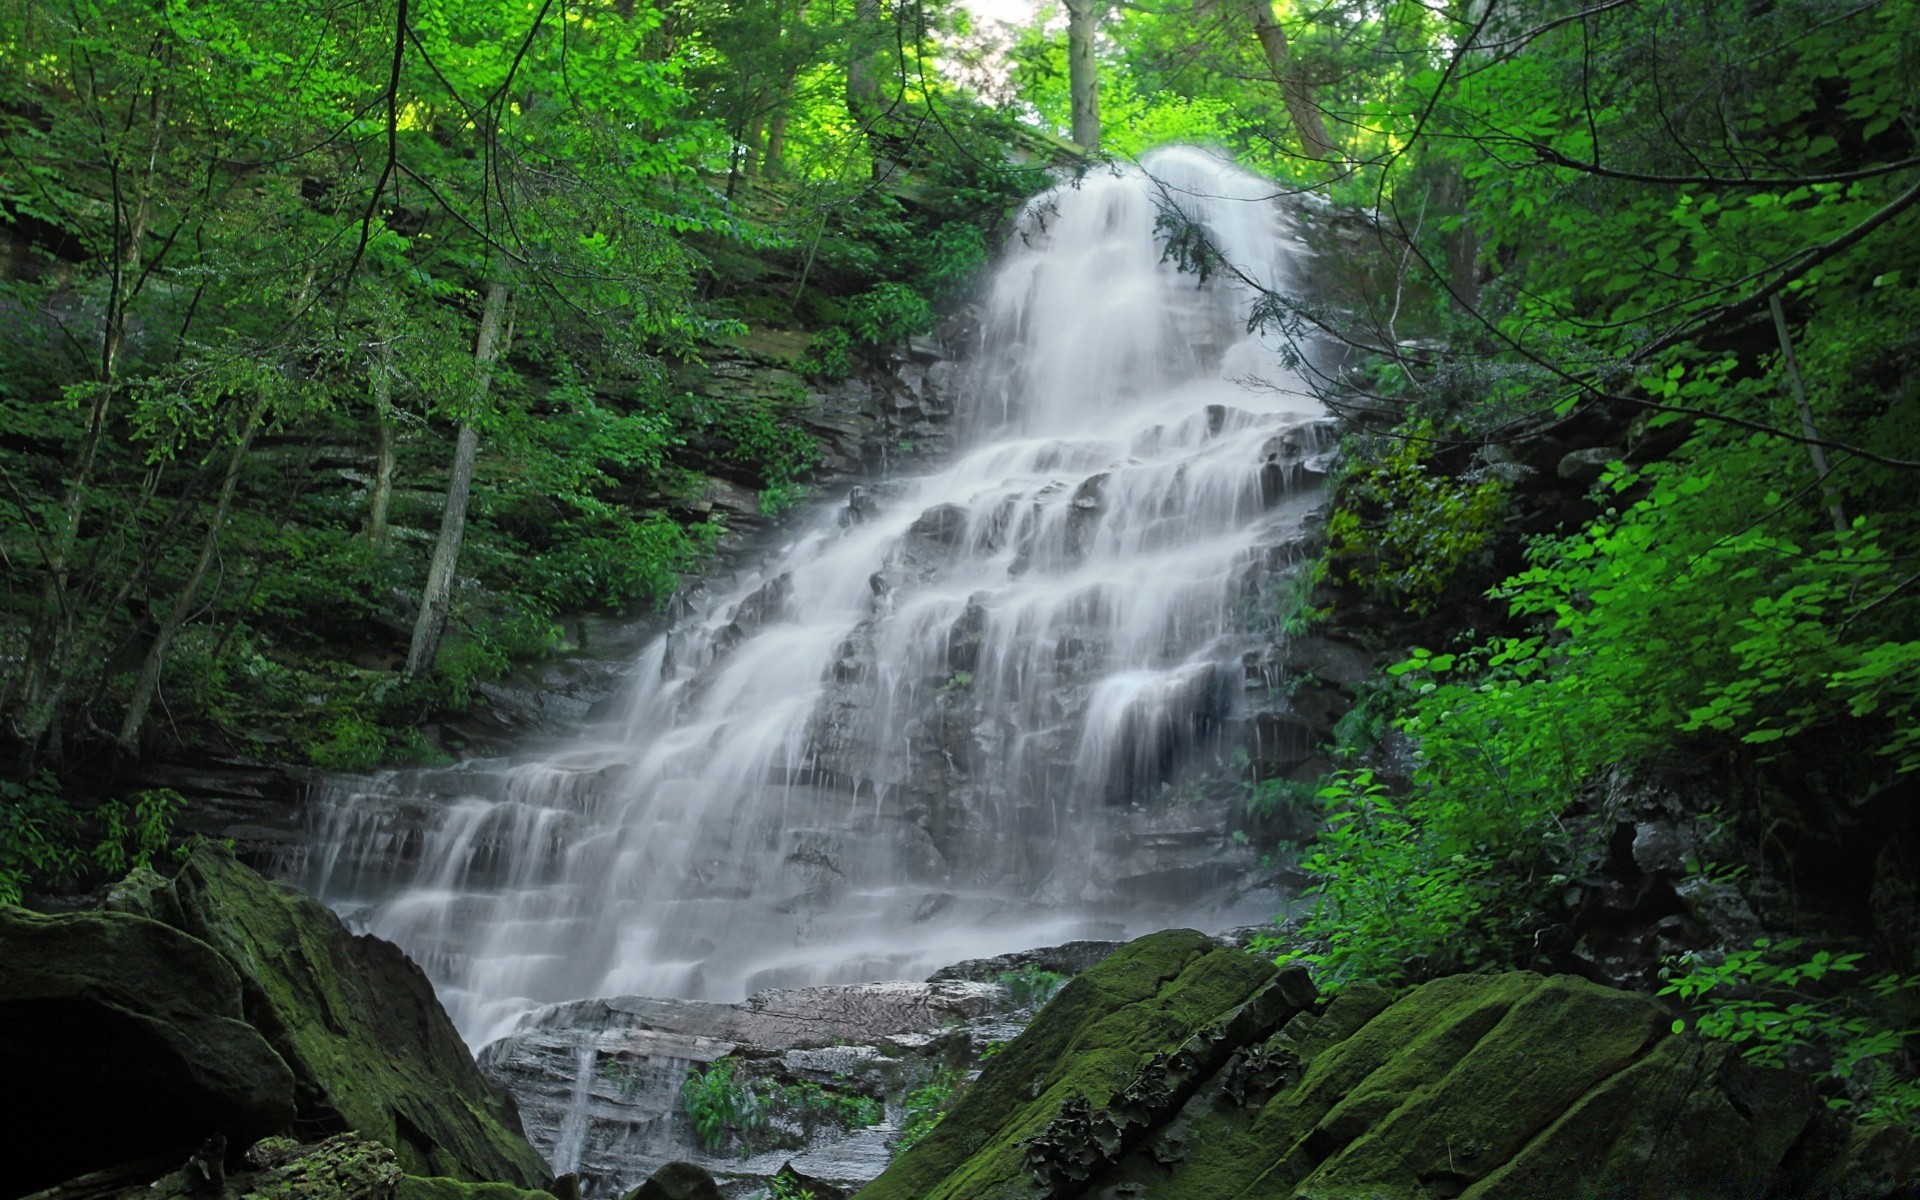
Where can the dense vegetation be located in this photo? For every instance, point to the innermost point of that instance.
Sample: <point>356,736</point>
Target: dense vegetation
<point>343,348</point>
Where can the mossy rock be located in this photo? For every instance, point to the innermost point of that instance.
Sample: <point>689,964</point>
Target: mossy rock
<point>439,1187</point>
<point>1122,1022</point>
<point>1161,1075</point>
<point>370,1046</point>
<point>122,1038</point>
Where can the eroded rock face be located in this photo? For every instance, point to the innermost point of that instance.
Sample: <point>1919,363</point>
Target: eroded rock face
<point>1180,1068</point>
<point>120,1039</point>
<point>599,1081</point>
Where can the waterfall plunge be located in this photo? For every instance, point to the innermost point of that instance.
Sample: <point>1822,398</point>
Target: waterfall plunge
<point>943,721</point>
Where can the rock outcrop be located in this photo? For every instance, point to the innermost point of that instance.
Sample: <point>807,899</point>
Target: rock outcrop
<point>121,1038</point>
<point>198,1015</point>
<point>1178,1068</point>
<point>357,1021</point>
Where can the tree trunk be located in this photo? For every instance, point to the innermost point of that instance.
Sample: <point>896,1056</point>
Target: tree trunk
<point>381,500</point>
<point>1083,71</point>
<point>1307,120</point>
<point>1811,431</point>
<point>775,162</point>
<point>863,86</point>
<point>189,597</point>
<point>751,167</point>
<point>437,598</point>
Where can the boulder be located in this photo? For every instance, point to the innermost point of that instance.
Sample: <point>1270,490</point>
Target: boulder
<point>1129,1038</point>
<point>369,1045</point>
<point>120,1039</point>
<point>1178,1068</point>
<point>677,1181</point>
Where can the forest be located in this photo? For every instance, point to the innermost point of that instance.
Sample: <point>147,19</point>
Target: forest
<point>357,352</point>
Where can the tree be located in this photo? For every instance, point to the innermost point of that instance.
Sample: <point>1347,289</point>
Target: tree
<point>436,597</point>
<point>1083,70</point>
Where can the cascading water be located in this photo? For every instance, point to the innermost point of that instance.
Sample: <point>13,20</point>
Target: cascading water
<point>943,722</point>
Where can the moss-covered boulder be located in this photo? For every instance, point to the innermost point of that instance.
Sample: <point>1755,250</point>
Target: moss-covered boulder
<point>439,1187</point>
<point>1182,1071</point>
<point>121,1038</point>
<point>370,1047</point>
<point>1111,1056</point>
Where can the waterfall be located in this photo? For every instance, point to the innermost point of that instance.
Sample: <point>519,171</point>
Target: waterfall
<point>957,715</point>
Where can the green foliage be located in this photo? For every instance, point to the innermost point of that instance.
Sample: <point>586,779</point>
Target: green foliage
<point>1403,531</point>
<point>888,314</point>
<point>1779,1003</point>
<point>829,355</point>
<point>720,1104</point>
<point>927,1105</point>
<point>785,1187</point>
<point>45,842</point>
<point>725,1105</point>
<point>212,282</point>
<point>1030,987</point>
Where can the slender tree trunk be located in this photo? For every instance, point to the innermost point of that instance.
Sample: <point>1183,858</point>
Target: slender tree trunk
<point>189,597</point>
<point>1807,427</point>
<point>754,140</point>
<point>775,163</point>
<point>437,598</point>
<point>381,500</point>
<point>1083,71</point>
<point>1307,120</point>
<point>863,86</point>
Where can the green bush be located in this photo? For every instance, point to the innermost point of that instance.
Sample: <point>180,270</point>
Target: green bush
<point>1404,531</point>
<point>829,355</point>
<point>889,314</point>
<point>1030,987</point>
<point>45,842</point>
<point>927,1105</point>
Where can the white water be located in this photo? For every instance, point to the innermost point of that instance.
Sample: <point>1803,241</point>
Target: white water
<point>939,731</point>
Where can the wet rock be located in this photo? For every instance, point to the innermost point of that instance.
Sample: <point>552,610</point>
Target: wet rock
<point>1329,660</point>
<point>862,505</point>
<point>1069,958</point>
<point>1177,1068</point>
<point>369,1045</point>
<point>939,531</point>
<point>122,1038</point>
<point>677,1181</point>
<point>1586,466</point>
<point>599,1081</point>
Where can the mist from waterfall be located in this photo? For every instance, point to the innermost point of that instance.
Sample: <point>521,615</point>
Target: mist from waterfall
<point>949,718</point>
